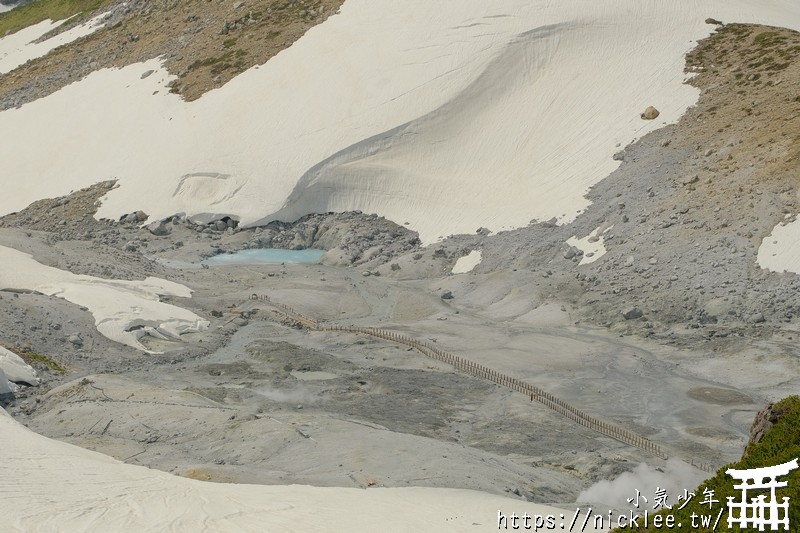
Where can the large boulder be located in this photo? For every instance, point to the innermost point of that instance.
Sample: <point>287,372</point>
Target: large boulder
<point>134,218</point>
<point>158,228</point>
<point>570,252</point>
<point>632,313</point>
<point>650,113</point>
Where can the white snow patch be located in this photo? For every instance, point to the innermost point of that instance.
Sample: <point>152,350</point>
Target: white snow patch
<point>6,387</point>
<point>4,8</point>
<point>467,263</point>
<point>451,115</point>
<point>117,305</point>
<point>592,245</point>
<point>49,485</point>
<point>15,369</point>
<point>17,48</point>
<point>780,250</point>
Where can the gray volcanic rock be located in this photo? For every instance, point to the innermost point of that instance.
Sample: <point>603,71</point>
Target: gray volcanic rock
<point>351,238</point>
<point>158,228</point>
<point>632,313</point>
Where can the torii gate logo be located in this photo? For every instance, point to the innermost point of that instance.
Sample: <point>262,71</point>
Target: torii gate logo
<point>759,512</point>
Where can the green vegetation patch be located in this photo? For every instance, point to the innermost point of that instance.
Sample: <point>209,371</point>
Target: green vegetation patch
<point>35,12</point>
<point>768,39</point>
<point>781,444</point>
<point>218,64</point>
<point>32,357</point>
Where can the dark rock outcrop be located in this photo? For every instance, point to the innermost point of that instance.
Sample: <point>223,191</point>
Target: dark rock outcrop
<point>763,422</point>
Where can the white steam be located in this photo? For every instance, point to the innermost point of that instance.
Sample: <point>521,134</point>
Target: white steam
<point>674,477</point>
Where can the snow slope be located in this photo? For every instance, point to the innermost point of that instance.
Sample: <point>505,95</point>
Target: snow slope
<point>592,245</point>
<point>20,47</point>
<point>468,262</point>
<point>449,115</point>
<point>15,369</point>
<point>780,250</point>
<point>47,485</point>
<point>6,387</point>
<point>123,310</point>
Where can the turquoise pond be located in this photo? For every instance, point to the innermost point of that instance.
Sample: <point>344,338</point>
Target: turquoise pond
<point>259,256</point>
<point>266,256</point>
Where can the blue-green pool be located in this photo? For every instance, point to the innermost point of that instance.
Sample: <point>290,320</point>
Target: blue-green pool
<point>258,256</point>
<point>266,256</point>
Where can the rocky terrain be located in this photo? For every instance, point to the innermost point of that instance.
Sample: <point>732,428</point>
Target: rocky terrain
<point>204,44</point>
<point>349,238</point>
<point>683,217</point>
<point>258,399</point>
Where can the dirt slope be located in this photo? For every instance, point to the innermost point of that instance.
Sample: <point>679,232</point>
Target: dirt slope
<point>204,42</point>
